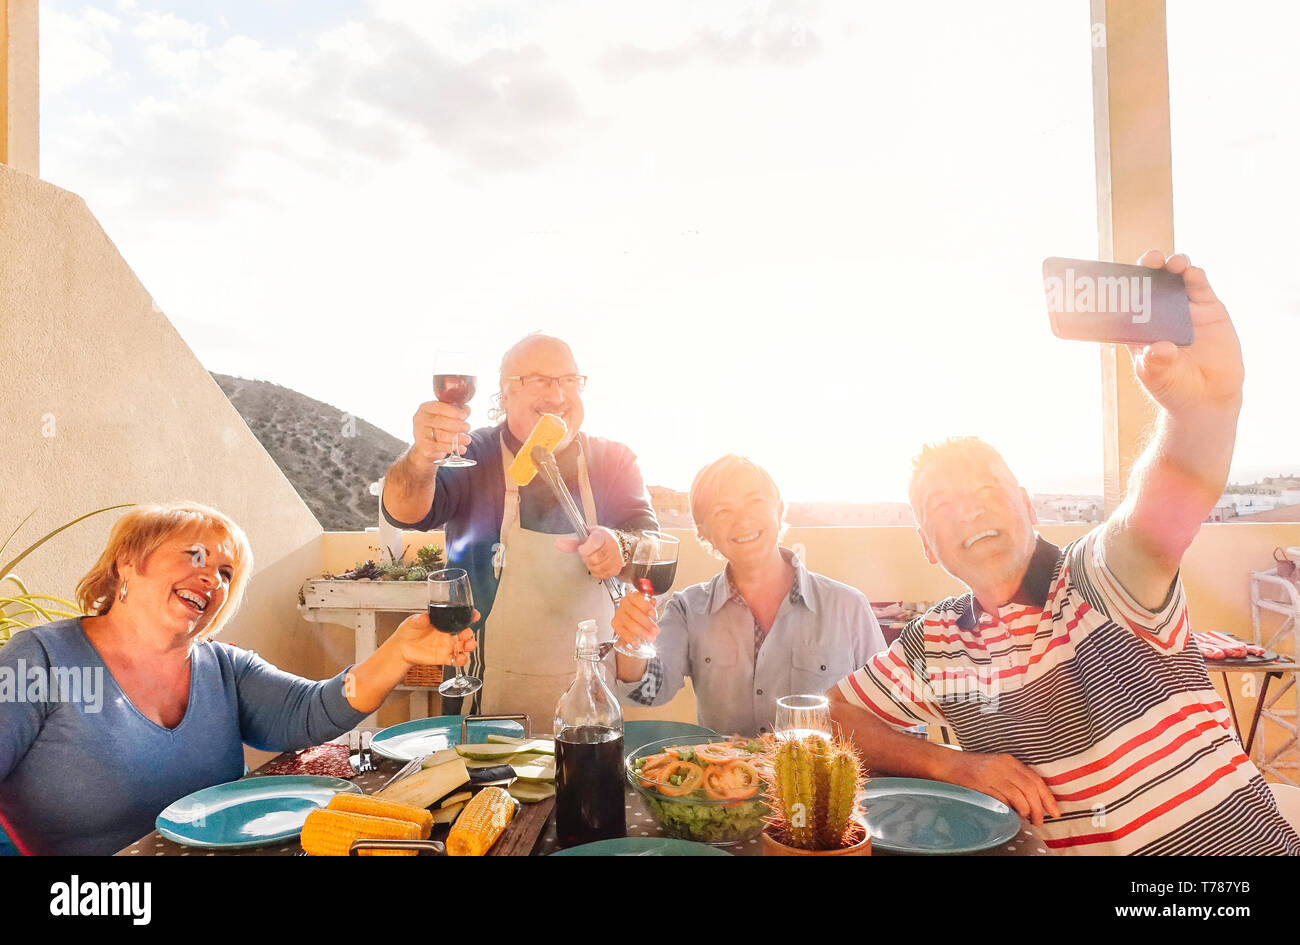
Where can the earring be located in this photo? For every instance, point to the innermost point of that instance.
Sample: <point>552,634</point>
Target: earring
<point>122,595</point>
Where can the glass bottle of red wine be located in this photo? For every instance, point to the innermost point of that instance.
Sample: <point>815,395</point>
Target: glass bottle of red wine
<point>589,802</point>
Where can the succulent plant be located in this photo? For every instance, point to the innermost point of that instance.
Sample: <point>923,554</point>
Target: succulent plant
<point>24,609</point>
<point>813,787</point>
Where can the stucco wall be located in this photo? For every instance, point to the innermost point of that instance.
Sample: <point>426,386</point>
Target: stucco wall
<point>101,402</point>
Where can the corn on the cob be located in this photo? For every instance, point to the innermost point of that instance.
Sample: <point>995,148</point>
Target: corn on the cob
<point>331,832</point>
<point>481,822</point>
<point>377,807</point>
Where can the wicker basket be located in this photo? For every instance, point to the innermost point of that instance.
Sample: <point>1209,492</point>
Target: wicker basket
<point>422,675</point>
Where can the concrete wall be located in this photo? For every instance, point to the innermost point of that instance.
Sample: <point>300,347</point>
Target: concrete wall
<point>101,402</point>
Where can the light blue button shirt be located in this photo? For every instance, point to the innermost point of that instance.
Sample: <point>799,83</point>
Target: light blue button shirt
<point>822,632</point>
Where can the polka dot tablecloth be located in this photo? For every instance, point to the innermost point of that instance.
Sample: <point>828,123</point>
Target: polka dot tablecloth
<point>640,823</point>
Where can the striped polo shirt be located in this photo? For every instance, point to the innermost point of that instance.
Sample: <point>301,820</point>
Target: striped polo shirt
<point>1108,702</point>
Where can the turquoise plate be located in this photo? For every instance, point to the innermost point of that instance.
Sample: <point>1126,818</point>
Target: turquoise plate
<point>251,812</point>
<point>425,736</point>
<point>642,846</point>
<point>636,734</point>
<point>911,815</point>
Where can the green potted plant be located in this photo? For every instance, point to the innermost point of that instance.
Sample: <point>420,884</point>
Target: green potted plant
<point>812,791</point>
<point>19,607</point>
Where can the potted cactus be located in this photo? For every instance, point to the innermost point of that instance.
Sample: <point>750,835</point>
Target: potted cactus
<point>812,791</point>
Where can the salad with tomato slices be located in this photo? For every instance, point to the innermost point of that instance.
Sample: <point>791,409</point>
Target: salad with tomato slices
<point>704,788</point>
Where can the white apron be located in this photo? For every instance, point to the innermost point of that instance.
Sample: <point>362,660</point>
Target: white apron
<point>530,635</point>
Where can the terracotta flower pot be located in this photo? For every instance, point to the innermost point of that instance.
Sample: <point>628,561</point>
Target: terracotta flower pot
<point>860,845</point>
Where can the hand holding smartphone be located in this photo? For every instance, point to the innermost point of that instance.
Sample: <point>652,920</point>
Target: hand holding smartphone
<point>1111,302</point>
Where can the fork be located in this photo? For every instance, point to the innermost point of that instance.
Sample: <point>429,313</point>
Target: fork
<point>359,757</point>
<point>367,759</point>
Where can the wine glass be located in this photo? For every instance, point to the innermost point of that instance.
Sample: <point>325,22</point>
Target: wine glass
<point>798,717</point>
<point>451,610</point>
<point>452,384</point>
<point>653,570</point>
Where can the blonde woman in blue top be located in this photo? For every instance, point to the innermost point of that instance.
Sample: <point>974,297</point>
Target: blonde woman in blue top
<point>763,628</point>
<point>160,709</point>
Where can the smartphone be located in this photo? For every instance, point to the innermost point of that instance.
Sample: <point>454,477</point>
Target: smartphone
<point>1100,301</point>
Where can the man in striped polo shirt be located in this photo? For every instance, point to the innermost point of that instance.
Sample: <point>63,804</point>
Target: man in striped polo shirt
<point>1068,674</point>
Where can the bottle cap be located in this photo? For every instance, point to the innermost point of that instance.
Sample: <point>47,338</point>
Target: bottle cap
<point>588,640</point>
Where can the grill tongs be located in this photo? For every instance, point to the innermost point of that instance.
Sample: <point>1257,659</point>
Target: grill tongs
<point>545,462</point>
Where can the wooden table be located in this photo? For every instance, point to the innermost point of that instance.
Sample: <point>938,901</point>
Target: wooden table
<point>640,823</point>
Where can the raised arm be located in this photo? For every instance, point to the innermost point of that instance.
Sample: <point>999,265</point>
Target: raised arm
<point>1182,471</point>
<point>410,482</point>
<point>279,711</point>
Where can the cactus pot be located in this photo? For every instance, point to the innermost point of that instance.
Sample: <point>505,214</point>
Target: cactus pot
<point>862,846</point>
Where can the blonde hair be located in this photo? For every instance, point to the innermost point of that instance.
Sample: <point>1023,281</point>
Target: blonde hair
<point>141,532</point>
<point>709,483</point>
<point>951,451</point>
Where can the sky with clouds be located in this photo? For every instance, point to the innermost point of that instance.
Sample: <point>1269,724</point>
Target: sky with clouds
<point>807,232</point>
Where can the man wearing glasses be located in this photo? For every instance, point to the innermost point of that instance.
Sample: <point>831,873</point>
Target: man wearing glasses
<point>531,580</point>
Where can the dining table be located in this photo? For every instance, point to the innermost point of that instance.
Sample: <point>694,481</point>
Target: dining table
<point>640,823</point>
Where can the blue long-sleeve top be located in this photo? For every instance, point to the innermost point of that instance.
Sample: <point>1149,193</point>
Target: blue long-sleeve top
<point>83,772</point>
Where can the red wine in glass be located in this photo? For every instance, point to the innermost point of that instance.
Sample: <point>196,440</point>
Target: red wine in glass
<point>451,610</point>
<point>653,578</point>
<point>653,569</point>
<point>451,618</point>
<point>452,385</point>
<point>455,389</point>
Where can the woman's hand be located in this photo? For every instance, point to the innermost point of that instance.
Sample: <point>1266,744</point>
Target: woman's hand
<point>421,642</point>
<point>414,641</point>
<point>634,621</point>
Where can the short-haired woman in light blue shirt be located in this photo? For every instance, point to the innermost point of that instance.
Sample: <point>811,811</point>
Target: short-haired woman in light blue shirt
<point>764,627</point>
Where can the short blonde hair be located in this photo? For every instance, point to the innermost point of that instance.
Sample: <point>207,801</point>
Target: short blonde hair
<point>141,532</point>
<point>710,481</point>
<point>954,450</point>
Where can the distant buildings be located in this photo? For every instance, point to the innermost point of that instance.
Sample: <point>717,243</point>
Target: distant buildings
<point>1275,499</point>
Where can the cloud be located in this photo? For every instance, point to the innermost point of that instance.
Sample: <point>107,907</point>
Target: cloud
<point>75,48</point>
<point>788,45</point>
<point>363,94</point>
<point>504,110</point>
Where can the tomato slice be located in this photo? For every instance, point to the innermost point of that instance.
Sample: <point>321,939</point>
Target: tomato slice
<point>717,754</point>
<point>733,781</point>
<point>692,775</point>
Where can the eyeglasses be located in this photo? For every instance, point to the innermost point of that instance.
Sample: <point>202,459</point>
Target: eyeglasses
<point>570,383</point>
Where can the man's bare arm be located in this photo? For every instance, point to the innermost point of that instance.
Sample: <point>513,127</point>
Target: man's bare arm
<point>885,751</point>
<point>410,482</point>
<point>408,488</point>
<point>1184,468</point>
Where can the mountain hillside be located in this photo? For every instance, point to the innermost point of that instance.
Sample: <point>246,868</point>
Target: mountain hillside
<point>330,456</point>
